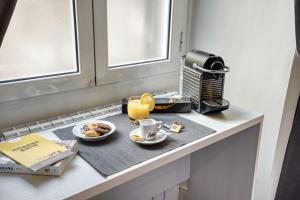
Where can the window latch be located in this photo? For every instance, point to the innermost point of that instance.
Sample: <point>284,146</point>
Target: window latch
<point>181,41</point>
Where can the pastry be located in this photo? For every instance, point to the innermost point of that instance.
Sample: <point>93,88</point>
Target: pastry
<point>91,133</point>
<point>94,129</point>
<point>137,137</point>
<point>91,126</point>
<point>104,126</point>
<point>101,131</point>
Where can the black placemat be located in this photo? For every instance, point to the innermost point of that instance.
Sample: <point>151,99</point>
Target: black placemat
<point>118,152</point>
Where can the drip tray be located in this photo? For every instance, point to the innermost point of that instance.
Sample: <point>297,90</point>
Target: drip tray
<point>213,105</point>
<point>216,102</point>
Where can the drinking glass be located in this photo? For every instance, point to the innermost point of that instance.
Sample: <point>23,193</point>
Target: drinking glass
<point>136,110</point>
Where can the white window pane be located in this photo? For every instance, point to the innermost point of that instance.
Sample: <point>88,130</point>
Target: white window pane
<point>40,40</point>
<point>138,31</point>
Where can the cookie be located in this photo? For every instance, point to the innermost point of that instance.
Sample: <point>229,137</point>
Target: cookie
<point>137,137</point>
<point>94,129</point>
<point>91,126</point>
<point>101,131</point>
<point>104,126</point>
<point>91,133</point>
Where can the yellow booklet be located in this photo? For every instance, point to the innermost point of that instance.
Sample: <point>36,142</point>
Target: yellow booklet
<point>34,151</point>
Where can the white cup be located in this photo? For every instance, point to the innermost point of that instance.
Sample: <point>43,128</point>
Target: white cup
<point>149,128</point>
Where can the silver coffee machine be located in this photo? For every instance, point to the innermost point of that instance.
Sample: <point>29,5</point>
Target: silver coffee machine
<point>203,81</point>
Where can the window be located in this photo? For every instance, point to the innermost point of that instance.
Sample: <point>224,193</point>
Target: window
<point>138,31</point>
<point>137,38</point>
<point>46,45</point>
<point>59,45</point>
<point>47,48</point>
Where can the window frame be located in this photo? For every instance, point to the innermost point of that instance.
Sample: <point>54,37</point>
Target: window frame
<point>50,105</point>
<point>85,77</point>
<point>106,75</point>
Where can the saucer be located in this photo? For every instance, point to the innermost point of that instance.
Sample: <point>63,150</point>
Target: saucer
<point>159,137</point>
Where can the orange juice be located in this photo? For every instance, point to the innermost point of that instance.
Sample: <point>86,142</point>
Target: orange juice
<point>136,110</point>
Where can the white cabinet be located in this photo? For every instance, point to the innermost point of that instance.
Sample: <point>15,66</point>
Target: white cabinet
<point>159,184</point>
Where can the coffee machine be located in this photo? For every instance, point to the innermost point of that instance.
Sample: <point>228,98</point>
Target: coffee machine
<point>203,76</point>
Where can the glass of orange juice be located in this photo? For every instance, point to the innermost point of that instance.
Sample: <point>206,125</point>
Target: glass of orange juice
<point>136,109</point>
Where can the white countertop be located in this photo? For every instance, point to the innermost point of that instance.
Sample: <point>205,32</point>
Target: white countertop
<point>81,181</point>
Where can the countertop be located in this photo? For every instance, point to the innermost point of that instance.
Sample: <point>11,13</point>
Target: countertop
<point>81,181</point>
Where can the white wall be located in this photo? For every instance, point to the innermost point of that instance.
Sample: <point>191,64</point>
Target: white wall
<point>256,39</point>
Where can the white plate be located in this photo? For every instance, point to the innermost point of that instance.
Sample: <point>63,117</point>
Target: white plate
<point>160,136</point>
<point>78,130</point>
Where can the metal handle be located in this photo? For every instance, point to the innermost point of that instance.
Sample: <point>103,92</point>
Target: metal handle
<point>225,70</point>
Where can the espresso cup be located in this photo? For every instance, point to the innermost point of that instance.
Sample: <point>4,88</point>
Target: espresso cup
<point>149,128</point>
